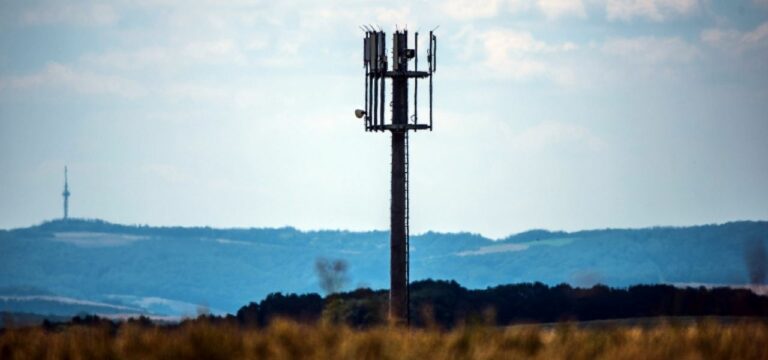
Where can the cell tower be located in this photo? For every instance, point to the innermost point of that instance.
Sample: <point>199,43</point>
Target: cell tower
<point>375,62</point>
<point>66,194</point>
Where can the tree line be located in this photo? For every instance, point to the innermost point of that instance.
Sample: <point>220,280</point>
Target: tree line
<point>447,304</point>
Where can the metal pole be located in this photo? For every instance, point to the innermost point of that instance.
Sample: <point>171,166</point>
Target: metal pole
<point>398,304</point>
<point>431,70</point>
<point>398,295</point>
<point>375,100</point>
<point>416,80</point>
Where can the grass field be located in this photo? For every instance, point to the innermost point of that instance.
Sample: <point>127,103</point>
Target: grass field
<point>706,339</point>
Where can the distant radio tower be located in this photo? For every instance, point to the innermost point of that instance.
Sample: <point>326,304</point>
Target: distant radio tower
<point>66,194</point>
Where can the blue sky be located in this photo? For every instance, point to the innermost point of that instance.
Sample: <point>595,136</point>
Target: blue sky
<point>557,114</point>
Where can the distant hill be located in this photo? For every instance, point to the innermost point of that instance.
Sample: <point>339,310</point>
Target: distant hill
<point>181,271</point>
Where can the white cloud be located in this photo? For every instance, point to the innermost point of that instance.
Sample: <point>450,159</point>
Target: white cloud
<point>737,41</point>
<point>516,6</point>
<point>470,9</point>
<point>656,10</point>
<point>168,173</point>
<point>220,51</point>
<point>554,9</point>
<point>257,43</point>
<point>58,75</point>
<point>195,92</point>
<point>502,41</point>
<point>70,13</point>
<point>518,55</point>
<point>214,51</point>
<point>651,50</point>
<point>464,10</point>
<point>401,15</point>
<point>759,35</point>
<point>546,135</point>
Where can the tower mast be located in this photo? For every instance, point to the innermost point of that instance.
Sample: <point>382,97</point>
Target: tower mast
<point>377,71</point>
<point>66,194</point>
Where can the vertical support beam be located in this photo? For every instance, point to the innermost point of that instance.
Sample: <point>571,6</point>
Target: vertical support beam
<point>398,293</point>
<point>367,117</point>
<point>432,61</point>
<point>382,112</point>
<point>383,70</point>
<point>375,94</point>
<point>398,299</point>
<point>369,113</point>
<point>366,65</point>
<point>416,80</point>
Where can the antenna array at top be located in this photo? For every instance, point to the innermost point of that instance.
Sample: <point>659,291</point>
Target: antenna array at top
<point>377,70</point>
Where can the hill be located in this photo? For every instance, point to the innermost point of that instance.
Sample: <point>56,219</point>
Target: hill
<point>178,271</point>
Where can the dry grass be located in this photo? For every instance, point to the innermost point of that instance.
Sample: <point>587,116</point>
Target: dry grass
<point>288,340</point>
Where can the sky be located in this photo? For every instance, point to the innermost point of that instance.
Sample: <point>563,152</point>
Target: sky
<point>554,114</point>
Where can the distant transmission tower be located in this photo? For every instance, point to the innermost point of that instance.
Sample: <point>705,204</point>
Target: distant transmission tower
<point>66,194</point>
<point>376,72</point>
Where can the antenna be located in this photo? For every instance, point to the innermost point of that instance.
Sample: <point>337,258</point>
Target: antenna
<point>66,194</point>
<point>377,71</point>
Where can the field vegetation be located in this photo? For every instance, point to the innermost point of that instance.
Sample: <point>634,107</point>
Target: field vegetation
<point>204,338</point>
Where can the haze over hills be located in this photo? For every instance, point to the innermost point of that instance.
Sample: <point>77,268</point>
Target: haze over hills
<point>63,267</point>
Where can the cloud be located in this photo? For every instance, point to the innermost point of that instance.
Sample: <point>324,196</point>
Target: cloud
<point>220,51</point>
<point>185,91</point>
<point>214,51</point>
<point>554,9</point>
<point>58,75</point>
<point>400,15</point>
<point>71,13</point>
<point>470,9</point>
<point>651,50</point>
<point>546,135</point>
<point>464,10</point>
<point>655,10</point>
<point>168,173</point>
<point>500,41</point>
<point>737,41</point>
<point>517,54</point>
